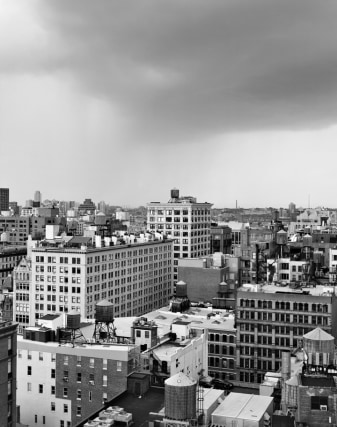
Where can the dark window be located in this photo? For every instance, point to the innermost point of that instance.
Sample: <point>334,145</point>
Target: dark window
<point>319,402</point>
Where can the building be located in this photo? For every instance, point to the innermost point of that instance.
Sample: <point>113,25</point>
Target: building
<point>4,199</point>
<point>87,207</point>
<point>14,229</point>
<point>271,319</point>
<point>37,198</point>
<point>310,392</point>
<point>64,385</point>
<point>8,380</point>
<point>185,221</point>
<point>203,276</point>
<point>239,409</point>
<point>74,273</point>
<point>22,294</point>
<point>221,239</point>
<point>10,257</point>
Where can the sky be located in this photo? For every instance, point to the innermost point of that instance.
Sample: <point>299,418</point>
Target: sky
<point>230,101</point>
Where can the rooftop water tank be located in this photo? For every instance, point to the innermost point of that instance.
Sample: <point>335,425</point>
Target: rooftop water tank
<point>181,289</point>
<point>319,346</point>
<point>174,193</point>
<point>281,237</point>
<point>73,320</point>
<point>180,397</point>
<point>104,312</point>
<point>307,240</point>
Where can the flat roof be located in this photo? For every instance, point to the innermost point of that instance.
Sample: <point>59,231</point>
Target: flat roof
<point>243,406</point>
<point>319,290</point>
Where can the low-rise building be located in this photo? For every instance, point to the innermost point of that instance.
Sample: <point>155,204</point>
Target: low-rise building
<point>64,385</point>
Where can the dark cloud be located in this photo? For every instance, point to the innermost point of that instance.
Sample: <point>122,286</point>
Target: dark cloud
<point>188,68</point>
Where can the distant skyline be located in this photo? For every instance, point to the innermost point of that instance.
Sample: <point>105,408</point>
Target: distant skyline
<point>231,100</point>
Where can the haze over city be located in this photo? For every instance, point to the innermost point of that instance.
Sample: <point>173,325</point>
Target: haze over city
<point>121,101</point>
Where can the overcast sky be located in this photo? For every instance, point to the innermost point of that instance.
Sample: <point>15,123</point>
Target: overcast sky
<point>123,100</point>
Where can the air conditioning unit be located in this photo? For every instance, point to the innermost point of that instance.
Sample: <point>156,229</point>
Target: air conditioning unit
<point>323,407</point>
<point>92,382</point>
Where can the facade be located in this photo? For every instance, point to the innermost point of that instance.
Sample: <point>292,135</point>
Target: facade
<point>4,199</point>
<point>203,276</point>
<point>10,257</point>
<point>271,319</point>
<point>22,294</point>
<point>65,385</point>
<point>8,340</point>
<point>309,392</point>
<point>15,229</point>
<point>221,239</point>
<point>73,274</point>
<point>185,221</point>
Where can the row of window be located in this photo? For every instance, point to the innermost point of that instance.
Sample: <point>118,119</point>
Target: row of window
<point>283,305</point>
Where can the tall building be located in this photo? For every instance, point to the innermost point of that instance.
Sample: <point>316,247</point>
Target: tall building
<point>74,274</point>
<point>4,199</point>
<point>272,319</point>
<point>8,344</point>
<point>37,197</point>
<point>185,221</point>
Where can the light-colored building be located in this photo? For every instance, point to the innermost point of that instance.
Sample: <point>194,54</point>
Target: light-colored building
<point>64,385</point>
<point>184,220</point>
<point>239,409</point>
<point>70,273</point>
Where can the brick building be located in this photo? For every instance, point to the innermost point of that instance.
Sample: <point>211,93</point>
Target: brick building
<point>8,341</point>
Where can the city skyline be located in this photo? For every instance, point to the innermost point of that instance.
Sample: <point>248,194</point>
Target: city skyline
<point>228,101</point>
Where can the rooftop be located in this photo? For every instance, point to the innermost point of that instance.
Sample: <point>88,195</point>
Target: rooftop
<point>318,290</point>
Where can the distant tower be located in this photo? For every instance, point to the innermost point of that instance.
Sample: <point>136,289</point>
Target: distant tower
<point>4,199</point>
<point>37,196</point>
<point>37,199</point>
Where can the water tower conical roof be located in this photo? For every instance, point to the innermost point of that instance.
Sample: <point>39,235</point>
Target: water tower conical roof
<point>318,335</point>
<point>104,303</point>
<point>179,380</point>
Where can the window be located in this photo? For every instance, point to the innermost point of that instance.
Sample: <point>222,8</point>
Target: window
<point>52,373</point>
<point>65,360</point>
<point>29,386</point>
<point>78,411</point>
<point>52,389</point>
<point>90,396</point>
<point>79,360</point>
<point>119,366</point>
<point>40,355</point>
<point>105,363</point>
<point>65,392</point>
<point>319,402</point>
<point>65,408</point>
<point>92,363</point>
<point>79,377</point>
<point>29,370</point>
<point>52,406</point>
<point>40,388</point>
<point>105,380</point>
<point>79,394</point>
